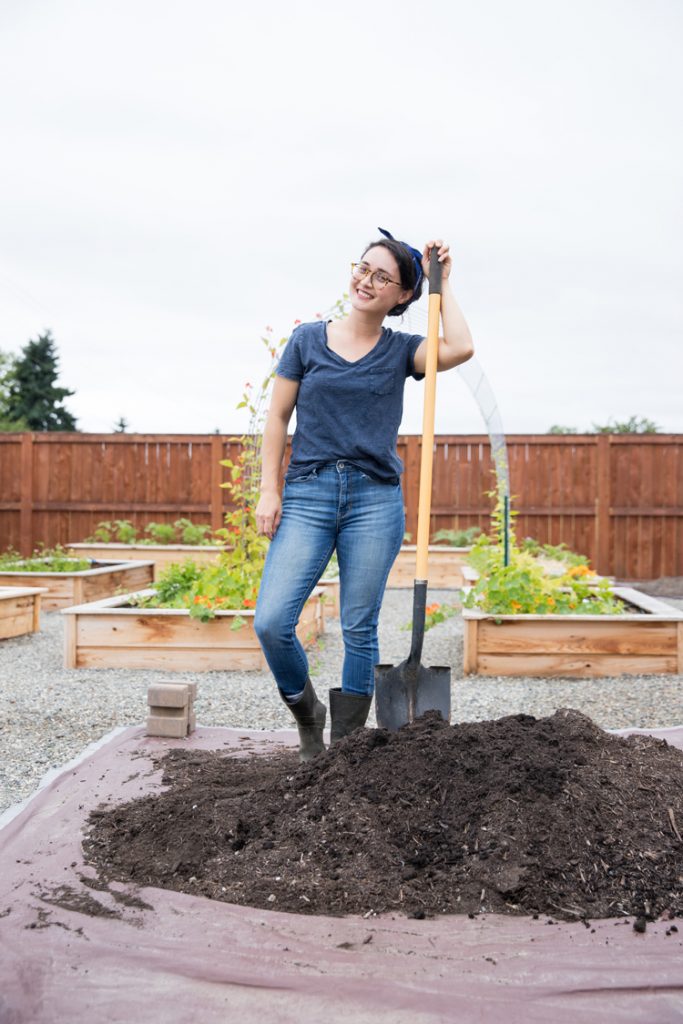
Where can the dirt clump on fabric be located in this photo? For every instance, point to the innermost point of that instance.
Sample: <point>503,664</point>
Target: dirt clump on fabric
<point>516,816</point>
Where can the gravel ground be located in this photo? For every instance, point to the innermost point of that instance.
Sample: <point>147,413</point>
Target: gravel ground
<point>48,714</point>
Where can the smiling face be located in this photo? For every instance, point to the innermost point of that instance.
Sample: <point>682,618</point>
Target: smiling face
<point>366,296</point>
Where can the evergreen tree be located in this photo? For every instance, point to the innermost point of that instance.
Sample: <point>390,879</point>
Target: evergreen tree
<point>33,397</point>
<point>6,367</point>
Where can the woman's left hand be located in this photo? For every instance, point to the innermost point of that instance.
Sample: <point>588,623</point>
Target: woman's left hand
<point>444,258</point>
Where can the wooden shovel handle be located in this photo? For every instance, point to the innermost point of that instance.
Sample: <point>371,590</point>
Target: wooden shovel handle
<point>426,458</point>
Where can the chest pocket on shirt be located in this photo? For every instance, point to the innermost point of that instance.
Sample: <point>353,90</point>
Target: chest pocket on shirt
<point>382,382</point>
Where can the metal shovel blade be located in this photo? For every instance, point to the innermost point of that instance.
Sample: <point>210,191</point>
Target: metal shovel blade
<point>404,692</point>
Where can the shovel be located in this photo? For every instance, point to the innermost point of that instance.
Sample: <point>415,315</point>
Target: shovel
<point>405,692</point>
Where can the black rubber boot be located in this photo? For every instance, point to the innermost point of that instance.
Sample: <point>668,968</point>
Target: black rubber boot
<point>349,711</point>
<point>310,717</point>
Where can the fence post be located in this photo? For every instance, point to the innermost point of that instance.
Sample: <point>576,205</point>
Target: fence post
<point>411,482</point>
<point>216,496</point>
<point>602,505</point>
<point>26,507</point>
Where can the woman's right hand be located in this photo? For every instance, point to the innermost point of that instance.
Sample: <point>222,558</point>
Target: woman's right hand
<point>268,513</point>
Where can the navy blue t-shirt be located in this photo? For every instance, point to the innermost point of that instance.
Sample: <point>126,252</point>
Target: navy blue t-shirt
<point>348,410</point>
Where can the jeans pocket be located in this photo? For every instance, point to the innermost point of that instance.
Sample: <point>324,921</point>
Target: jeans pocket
<point>313,475</point>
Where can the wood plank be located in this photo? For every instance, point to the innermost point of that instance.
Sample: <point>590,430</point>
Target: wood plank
<point>610,637</point>
<point>155,631</point>
<point>102,634</point>
<point>19,611</point>
<point>161,556</point>
<point>330,597</point>
<point>59,592</point>
<point>602,499</point>
<point>17,624</point>
<point>70,652</point>
<point>216,492</point>
<point>26,509</point>
<point>411,482</point>
<point>118,506</point>
<point>132,577</point>
<point>550,666</point>
<point>445,567</point>
<point>673,511</point>
<point>172,659</point>
<point>647,602</point>
<point>470,647</point>
<point>311,622</point>
<point>10,607</point>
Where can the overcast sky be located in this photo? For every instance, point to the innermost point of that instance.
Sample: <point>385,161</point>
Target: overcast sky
<point>178,175</point>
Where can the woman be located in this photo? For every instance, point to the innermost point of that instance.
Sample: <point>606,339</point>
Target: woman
<point>342,488</point>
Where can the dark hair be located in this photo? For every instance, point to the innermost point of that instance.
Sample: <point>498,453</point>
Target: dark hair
<point>406,269</point>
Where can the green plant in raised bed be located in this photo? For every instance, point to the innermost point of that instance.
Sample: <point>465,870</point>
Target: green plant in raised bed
<point>522,587</point>
<point>192,533</point>
<point>182,531</point>
<point>204,590</point>
<point>457,538</point>
<point>44,560</point>
<point>160,533</point>
<point>8,557</point>
<point>125,531</point>
<point>120,531</point>
<point>103,533</point>
<point>558,552</point>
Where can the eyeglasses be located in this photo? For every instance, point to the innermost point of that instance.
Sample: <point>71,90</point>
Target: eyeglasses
<point>377,277</point>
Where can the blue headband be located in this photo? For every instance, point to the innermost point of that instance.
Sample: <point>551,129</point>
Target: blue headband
<point>415,254</point>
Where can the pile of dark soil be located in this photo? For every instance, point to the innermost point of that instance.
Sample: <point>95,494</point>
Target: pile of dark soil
<point>520,815</point>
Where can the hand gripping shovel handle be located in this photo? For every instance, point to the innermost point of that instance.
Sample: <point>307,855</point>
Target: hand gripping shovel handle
<point>426,460</point>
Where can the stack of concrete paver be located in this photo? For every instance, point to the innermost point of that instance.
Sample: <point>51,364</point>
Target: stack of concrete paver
<point>171,709</point>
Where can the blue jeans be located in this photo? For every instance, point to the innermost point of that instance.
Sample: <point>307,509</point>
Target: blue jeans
<point>336,506</point>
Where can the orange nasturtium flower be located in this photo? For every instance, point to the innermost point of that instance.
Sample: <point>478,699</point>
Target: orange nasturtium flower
<point>515,605</point>
<point>431,608</point>
<point>580,570</point>
<point>249,602</point>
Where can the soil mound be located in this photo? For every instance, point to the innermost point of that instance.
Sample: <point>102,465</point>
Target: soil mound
<point>519,816</point>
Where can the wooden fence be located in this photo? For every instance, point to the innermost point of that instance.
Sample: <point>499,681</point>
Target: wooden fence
<point>616,498</point>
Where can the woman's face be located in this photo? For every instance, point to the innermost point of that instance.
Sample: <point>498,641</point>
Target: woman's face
<point>368,294</point>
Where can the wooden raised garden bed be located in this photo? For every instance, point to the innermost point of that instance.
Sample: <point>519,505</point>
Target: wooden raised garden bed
<point>646,641</point>
<point>330,598</point>
<point>67,588</point>
<point>160,555</point>
<point>19,610</point>
<point>445,567</point>
<point>115,634</point>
